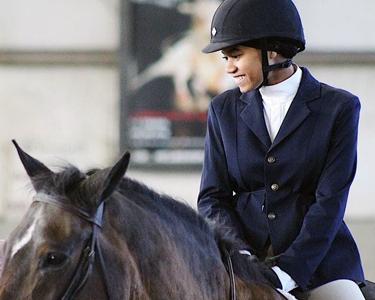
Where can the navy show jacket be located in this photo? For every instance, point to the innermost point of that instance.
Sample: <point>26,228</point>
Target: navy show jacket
<point>292,192</point>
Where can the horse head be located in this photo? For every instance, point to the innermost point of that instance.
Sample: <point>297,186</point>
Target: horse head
<point>47,246</point>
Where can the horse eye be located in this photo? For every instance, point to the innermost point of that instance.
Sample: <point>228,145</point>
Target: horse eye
<point>54,259</point>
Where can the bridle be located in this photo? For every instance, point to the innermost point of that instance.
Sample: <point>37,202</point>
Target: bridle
<point>87,258</point>
<point>232,281</point>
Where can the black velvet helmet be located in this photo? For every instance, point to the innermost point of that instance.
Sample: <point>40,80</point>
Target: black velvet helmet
<point>265,23</point>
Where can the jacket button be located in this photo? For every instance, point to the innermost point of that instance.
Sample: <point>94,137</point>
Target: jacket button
<point>274,187</point>
<point>271,216</point>
<point>271,159</point>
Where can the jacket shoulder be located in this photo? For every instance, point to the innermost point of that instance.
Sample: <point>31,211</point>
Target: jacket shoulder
<point>224,99</point>
<point>338,95</point>
<point>330,95</point>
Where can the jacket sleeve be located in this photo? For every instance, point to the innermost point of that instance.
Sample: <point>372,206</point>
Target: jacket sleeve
<point>216,199</point>
<point>325,215</point>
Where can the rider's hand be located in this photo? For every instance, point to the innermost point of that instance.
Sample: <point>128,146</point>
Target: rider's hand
<point>270,275</point>
<point>267,273</point>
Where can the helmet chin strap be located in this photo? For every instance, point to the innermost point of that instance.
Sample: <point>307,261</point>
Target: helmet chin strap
<point>266,67</point>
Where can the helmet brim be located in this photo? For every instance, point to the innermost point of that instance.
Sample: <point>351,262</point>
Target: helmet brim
<point>213,47</point>
<point>217,46</point>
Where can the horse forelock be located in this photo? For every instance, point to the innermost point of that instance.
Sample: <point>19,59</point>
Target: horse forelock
<point>66,186</point>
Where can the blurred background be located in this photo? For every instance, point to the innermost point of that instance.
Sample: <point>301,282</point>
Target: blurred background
<point>83,80</point>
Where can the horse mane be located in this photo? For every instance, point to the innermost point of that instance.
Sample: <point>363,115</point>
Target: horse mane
<point>167,208</point>
<point>164,201</point>
<point>69,185</point>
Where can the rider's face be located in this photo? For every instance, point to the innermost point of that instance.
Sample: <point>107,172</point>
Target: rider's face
<point>244,64</point>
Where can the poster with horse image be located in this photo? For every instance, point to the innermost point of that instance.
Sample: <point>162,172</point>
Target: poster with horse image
<point>173,81</point>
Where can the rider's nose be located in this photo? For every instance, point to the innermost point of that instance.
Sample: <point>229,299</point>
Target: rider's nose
<point>230,67</point>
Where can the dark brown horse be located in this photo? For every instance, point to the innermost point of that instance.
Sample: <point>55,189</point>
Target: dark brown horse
<point>99,235</point>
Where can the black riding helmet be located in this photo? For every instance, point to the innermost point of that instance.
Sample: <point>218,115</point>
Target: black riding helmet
<point>269,25</point>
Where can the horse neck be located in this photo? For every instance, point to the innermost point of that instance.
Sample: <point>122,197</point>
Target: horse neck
<point>138,207</point>
<point>161,242</point>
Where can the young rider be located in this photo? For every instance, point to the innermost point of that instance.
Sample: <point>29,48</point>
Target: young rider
<point>280,153</point>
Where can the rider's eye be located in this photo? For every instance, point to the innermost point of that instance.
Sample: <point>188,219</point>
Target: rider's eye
<point>54,259</point>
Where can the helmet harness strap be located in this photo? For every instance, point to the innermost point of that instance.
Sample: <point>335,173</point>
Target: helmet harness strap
<point>266,67</point>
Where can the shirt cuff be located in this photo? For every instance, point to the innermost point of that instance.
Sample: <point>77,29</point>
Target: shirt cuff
<point>287,282</point>
<point>245,252</point>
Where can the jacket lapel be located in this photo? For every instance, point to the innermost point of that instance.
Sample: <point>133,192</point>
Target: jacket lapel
<point>308,90</point>
<point>253,116</point>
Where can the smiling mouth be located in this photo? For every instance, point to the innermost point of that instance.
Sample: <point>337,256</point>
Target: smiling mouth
<point>238,79</point>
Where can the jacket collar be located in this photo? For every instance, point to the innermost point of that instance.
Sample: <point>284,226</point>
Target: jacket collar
<point>253,115</point>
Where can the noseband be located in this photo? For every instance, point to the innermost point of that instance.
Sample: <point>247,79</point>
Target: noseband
<point>87,258</point>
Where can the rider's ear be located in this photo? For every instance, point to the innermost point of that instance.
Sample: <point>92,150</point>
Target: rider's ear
<point>114,176</point>
<point>32,166</point>
<point>272,54</point>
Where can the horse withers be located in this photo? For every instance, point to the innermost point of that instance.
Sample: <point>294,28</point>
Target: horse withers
<point>99,235</point>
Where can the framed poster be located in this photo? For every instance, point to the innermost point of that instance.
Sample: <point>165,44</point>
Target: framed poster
<point>170,82</point>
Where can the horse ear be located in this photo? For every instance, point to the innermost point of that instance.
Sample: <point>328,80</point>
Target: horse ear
<point>32,166</point>
<point>114,176</point>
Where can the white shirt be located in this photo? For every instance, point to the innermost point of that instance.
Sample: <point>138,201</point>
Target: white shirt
<point>276,102</point>
<point>277,99</point>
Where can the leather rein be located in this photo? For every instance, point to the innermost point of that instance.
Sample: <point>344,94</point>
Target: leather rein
<point>232,281</point>
<point>92,248</point>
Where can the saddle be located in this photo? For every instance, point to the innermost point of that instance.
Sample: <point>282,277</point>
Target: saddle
<point>368,290</point>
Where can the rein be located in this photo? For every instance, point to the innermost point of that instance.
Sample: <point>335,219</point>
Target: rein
<point>232,286</point>
<point>87,258</point>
